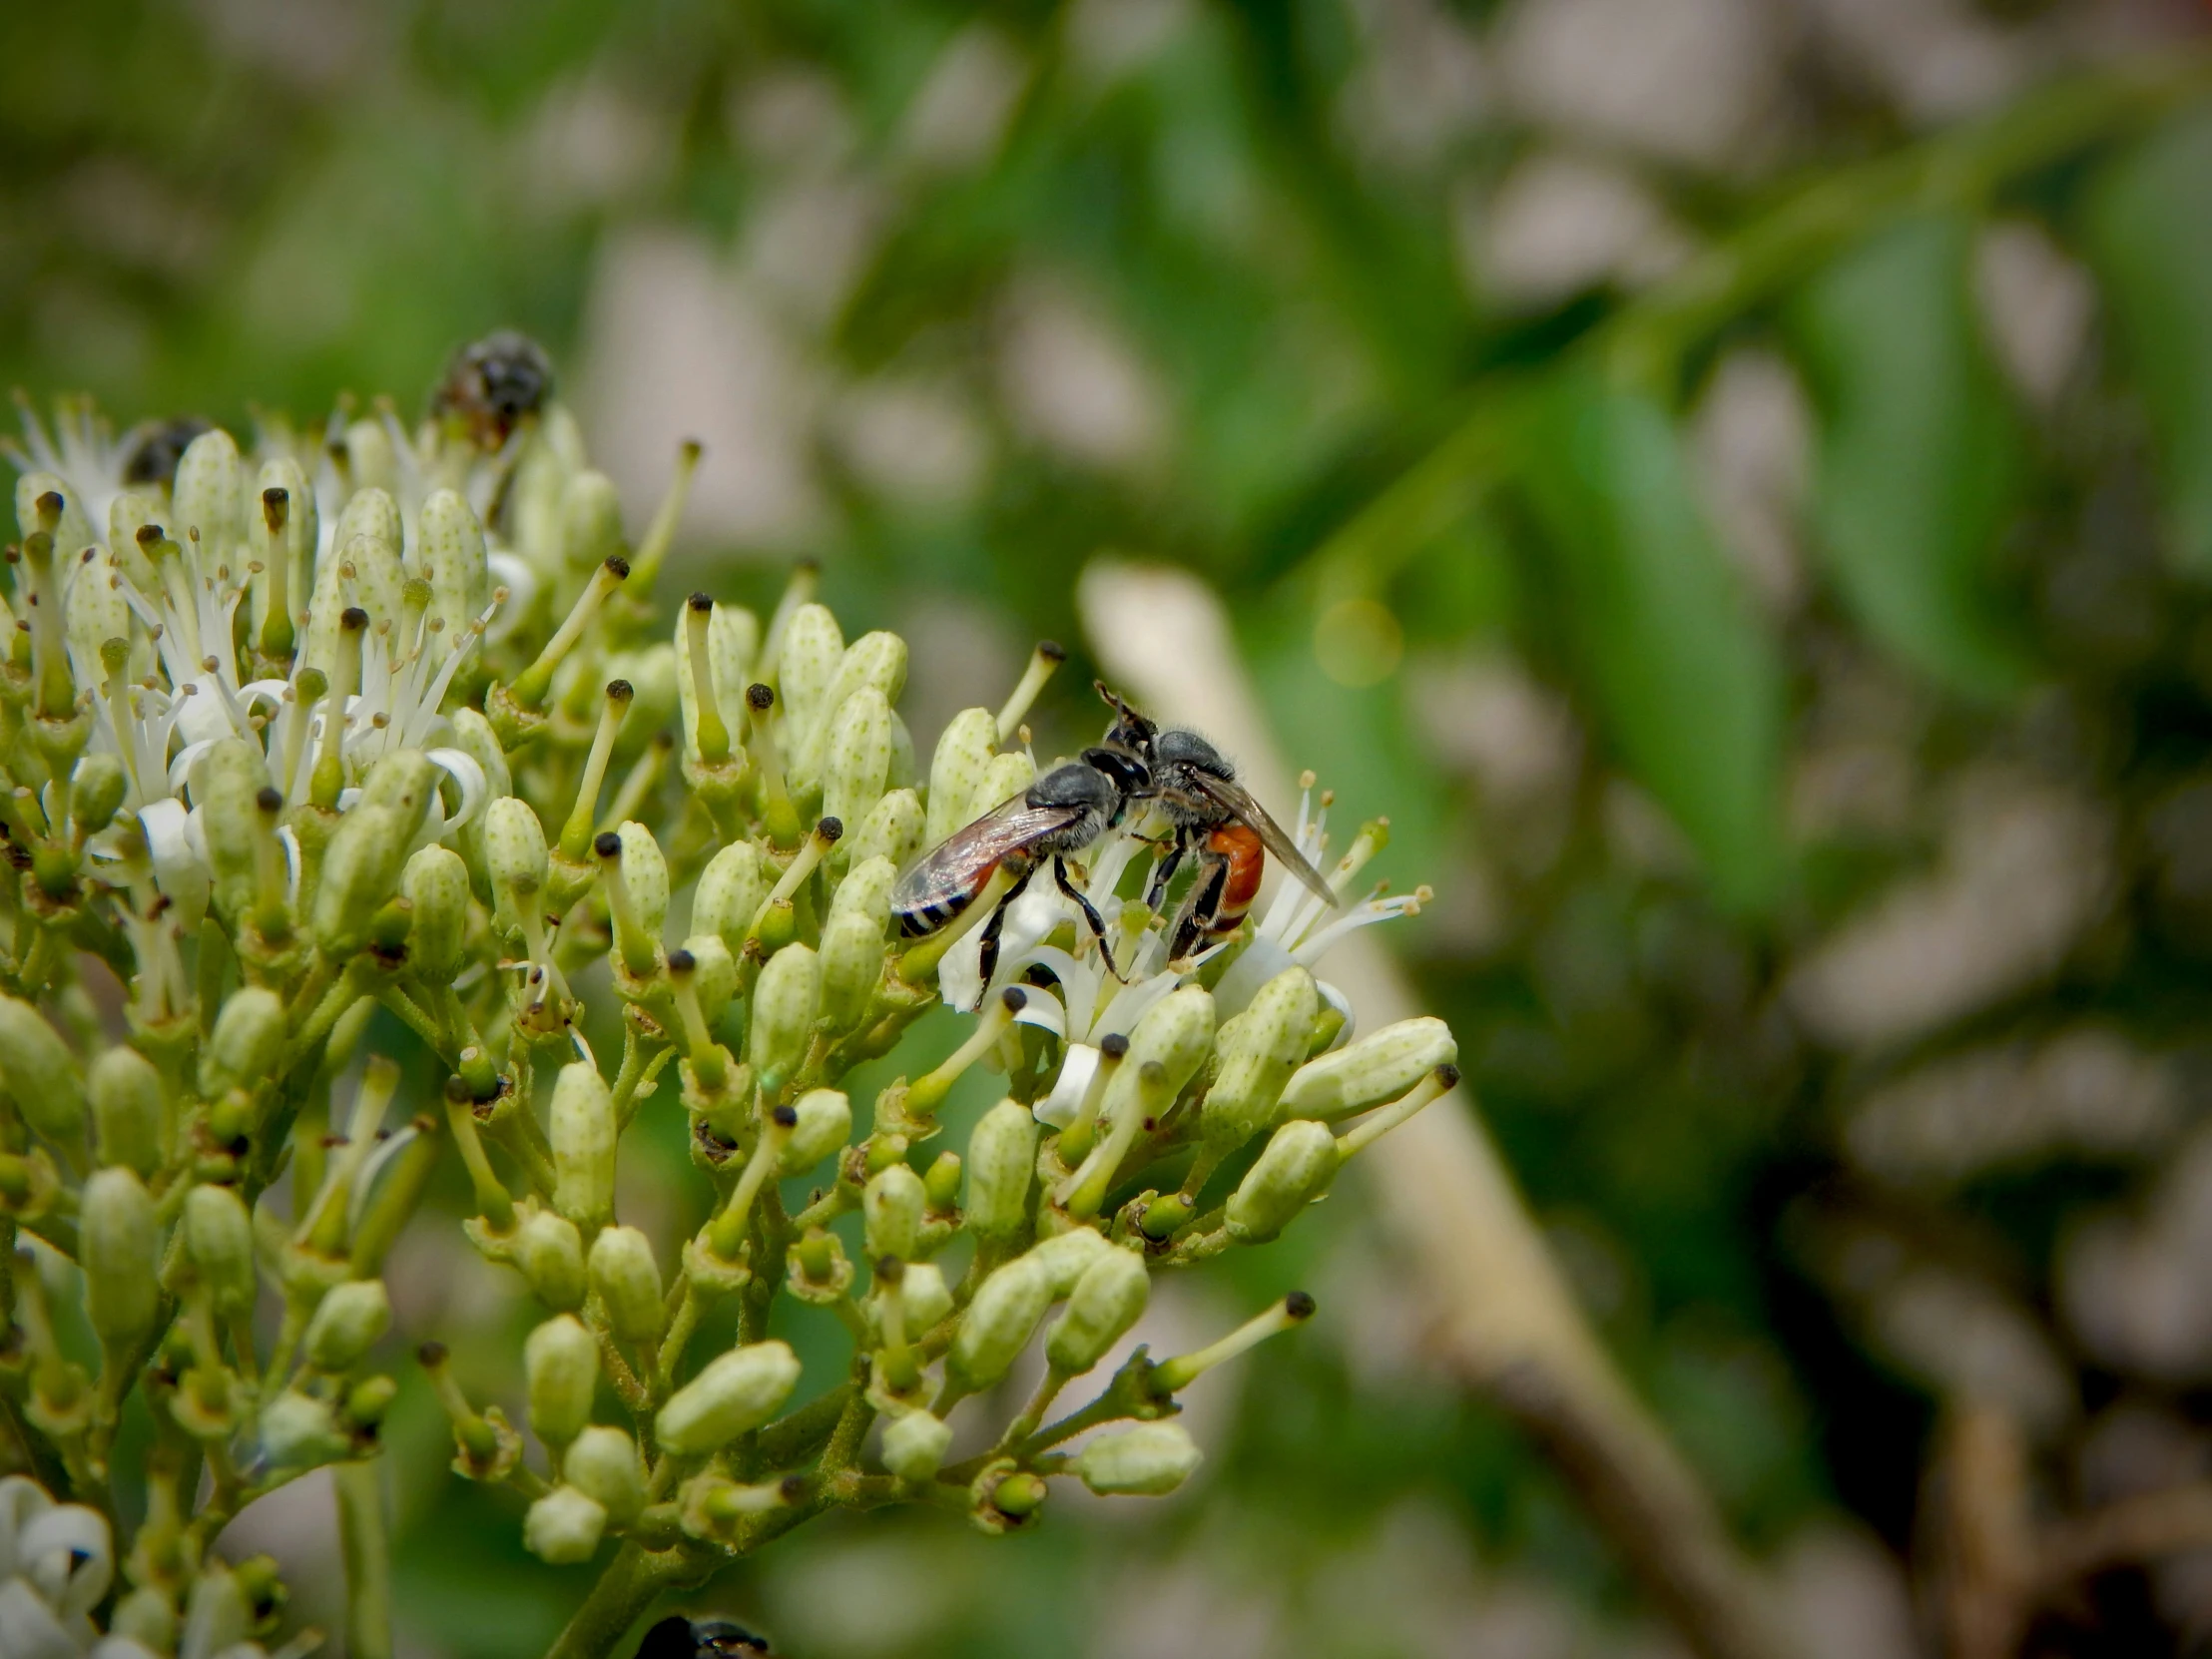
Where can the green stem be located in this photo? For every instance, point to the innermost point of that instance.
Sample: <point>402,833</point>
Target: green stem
<point>367,1546</point>
<point>633,1581</point>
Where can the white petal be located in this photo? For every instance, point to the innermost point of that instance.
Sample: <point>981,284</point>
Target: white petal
<point>178,871</point>
<point>70,1556</point>
<point>512,572</point>
<point>1043,1010</point>
<point>1343,1004</point>
<point>1060,1106</point>
<point>461,767</point>
<point>1133,1003</point>
<point>960,972</point>
<point>29,1628</point>
<point>1262,961</point>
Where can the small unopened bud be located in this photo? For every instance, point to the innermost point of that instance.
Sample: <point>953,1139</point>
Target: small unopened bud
<point>892,1207</point>
<point>1107,1301</point>
<point>1376,1067</point>
<point>1149,1459</point>
<point>39,1073</point>
<point>299,1431</point>
<point>964,753</point>
<point>737,1392</point>
<point>360,870</point>
<point>1000,1323</point>
<point>347,1324</point>
<point>225,784</point>
<point>206,494</point>
<point>96,792</point>
<point>515,846</point>
<point>605,1467</point>
<point>645,872</point>
<point>923,1297</point>
<point>857,756</point>
<point>628,1281</point>
<point>127,1109</point>
<point>247,1040</point>
<point>406,780</point>
<point>435,882</point>
<point>1001,1160</point>
<point>852,968</point>
<point>730,893</point>
<point>813,650</point>
<point>118,1249</point>
<point>1258,1051</point>
<point>219,1239</point>
<point>894,830</point>
<point>551,1255</point>
<point>451,549</point>
<point>940,1182</point>
<point>1064,1257</point>
<point>1300,1162</point>
<point>786,1000</point>
<point>563,1527</point>
<point>821,1124</point>
<point>369,1401</point>
<point>583,1133</point>
<point>560,1367</point>
<point>591,520</point>
<point>914,1446</point>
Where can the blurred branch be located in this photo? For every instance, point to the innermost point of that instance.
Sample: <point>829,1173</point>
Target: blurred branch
<point>1648,338</point>
<point>1505,1321</point>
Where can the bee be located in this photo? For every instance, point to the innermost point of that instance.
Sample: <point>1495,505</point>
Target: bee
<point>153,450</point>
<point>677,1637</point>
<point>1061,813</point>
<point>1216,821</point>
<point>493,385</point>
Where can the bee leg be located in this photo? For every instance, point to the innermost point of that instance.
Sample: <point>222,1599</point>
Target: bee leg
<point>1162,874</point>
<point>988,960</point>
<point>1090,914</point>
<point>1199,906</point>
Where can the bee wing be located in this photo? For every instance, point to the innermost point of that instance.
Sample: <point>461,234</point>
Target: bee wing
<point>950,867</point>
<point>1239,800</point>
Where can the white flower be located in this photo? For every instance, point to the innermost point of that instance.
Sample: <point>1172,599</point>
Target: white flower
<point>56,1562</point>
<point>83,452</point>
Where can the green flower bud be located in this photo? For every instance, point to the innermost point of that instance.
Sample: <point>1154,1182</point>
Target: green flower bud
<point>120,1250</point>
<point>92,613</point>
<point>299,1431</point>
<point>515,846</point>
<point>563,1527</point>
<point>852,968</point>
<point>473,736</point>
<point>373,458</point>
<point>218,1240</point>
<point>628,1281</point>
<point>451,557</point>
<point>731,890</point>
<point>813,651</point>
<point>1379,1066</point>
<point>96,791</point>
<point>901,774</point>
<point>923,1297</point>
<point>1177,1031</point>
<point>583,1135</point>
<point>128,1109</point>
<point>1000,1323</point>
<point>605,1467</point>
<point>1107,1301</point>
<point>349,1321</point>
<point>247,1041</point>
<point>645,872</point>
<point>435,882</point>
<point>713,974</point>
<point>1300,1162</point>
<point>1006,777</point>
<point>550,1254</point>
<point>891,1206</point>
<point>370,537</point>
<point>39,1073</point>
<point>865,890</point>
<point>856,751</point>
<point>225,784</point>
<point>74,533</point>
<point>360,872</point>
<point>876,662</point>
<point>964,753</point>
<point>735,1392</point>
<point>591,521</point>
<point>785,1004</point>
<point>893,831</point>
<point>1064,1257</point>
<point>914,1446</point>
<point>824,1125</point>
<point>1001,1160</point>
<point>205,496</point>
<point>128,513</point>
<point>1258,1051</point>
<point>406,780</point>
<point>1149,1459</point>
<point>560,1369</point>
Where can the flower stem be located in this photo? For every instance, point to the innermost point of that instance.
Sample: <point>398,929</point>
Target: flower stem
<point>367,1550</point>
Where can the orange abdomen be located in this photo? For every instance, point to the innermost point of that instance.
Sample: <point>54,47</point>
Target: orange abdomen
<point>1240,848</point>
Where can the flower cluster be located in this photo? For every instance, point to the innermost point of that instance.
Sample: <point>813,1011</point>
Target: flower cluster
<point>363,719</point>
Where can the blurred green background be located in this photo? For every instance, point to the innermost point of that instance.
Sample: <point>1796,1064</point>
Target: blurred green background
<point>1732,479</point>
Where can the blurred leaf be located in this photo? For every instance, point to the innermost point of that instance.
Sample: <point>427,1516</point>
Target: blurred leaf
<point>1918,452</point>
<point>2151,232</point>
<point>1687,684</point>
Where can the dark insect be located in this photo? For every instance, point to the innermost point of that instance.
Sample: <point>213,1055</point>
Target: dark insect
<point>1061,813</point>
<point>1217,821</point>
<point>493,385</point>
<point>677,1637</point>
<point>157,448</point>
